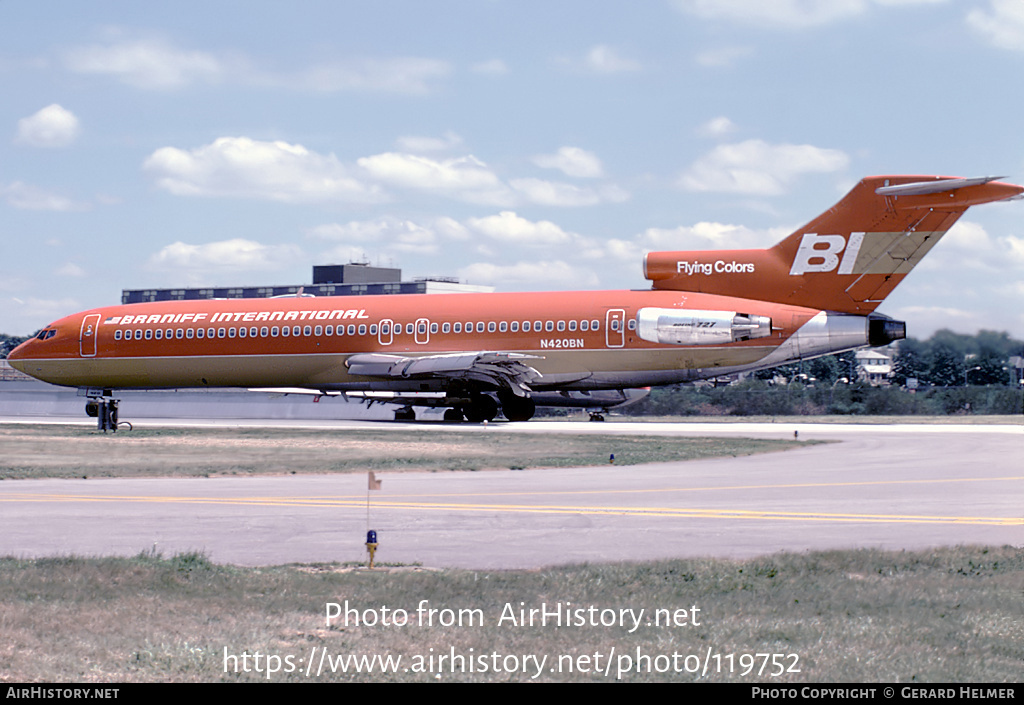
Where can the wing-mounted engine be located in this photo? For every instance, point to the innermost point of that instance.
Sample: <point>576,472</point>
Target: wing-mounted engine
<point>672,326</point>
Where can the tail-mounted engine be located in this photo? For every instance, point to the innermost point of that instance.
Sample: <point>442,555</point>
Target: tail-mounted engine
<point>673,326</point>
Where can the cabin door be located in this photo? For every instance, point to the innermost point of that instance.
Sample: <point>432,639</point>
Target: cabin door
<point>422,331</point>
<point>614,328</point>
<point>87,338</point>
<point>384,335</point>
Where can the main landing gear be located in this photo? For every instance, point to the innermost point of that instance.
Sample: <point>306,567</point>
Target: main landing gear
<point>517,408</point>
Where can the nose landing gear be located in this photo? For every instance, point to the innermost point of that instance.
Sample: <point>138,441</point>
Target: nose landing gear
<point>104,409</point>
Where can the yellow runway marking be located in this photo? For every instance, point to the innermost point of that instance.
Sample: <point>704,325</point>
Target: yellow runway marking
<point>380,503</point>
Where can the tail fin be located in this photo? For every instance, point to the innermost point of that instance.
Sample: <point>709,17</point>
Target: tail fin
<point>849,258</point>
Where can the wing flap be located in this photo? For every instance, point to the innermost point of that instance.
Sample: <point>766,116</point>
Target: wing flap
<point>505,370</point>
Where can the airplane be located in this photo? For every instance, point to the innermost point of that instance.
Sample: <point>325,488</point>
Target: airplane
<point>707,313</point>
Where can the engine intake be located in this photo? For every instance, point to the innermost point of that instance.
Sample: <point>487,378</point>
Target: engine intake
<point>673,326</point>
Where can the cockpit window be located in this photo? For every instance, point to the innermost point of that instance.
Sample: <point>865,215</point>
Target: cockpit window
<point>46,334</point>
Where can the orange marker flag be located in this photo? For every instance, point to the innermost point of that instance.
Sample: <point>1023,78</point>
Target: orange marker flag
<point>374,483</point>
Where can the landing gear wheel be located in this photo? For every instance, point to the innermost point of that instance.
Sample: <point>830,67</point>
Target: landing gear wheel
<point>453,415</point>
<point>482,408</point>
<point>518,408</point>
<point>406,413</point>
<point>597,417</point>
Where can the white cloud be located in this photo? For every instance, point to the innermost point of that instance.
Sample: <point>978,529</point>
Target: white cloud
<point>465,178</point>
<point>245,168</point>
<point>387,232</point>
<point>39,310</point>
<point>516,230</point>
<point>967,245</point>
<point>26,197</point>
<point>529,275</point>
<point>716,127</point>
<point>53,126</point>
<point>226,255</point>
<point>1002,25</point>
<point>415,143</point>
<point>405,74</point>
<point>70,269</point>
<point>785,14</point>
<point>700,236</point>
<point>147,63</point>
<point>779,13</point>
<point>756,167</point>
<point>494,67</point>
<point>723,56</point>
<point>157,64</point>
<point>553,193</point>
<point>573,161</point>
<point>604,59</point>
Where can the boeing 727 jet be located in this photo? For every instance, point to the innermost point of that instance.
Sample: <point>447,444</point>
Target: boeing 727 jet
<point>707,313</point>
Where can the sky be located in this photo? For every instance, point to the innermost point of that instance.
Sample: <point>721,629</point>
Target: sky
<point>518,144</point>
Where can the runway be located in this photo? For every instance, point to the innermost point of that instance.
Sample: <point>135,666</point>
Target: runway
<point>890,487</point>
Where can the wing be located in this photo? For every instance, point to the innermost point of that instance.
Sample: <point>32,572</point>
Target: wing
<point>510,371</point>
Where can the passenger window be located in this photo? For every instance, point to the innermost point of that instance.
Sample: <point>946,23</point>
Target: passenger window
<point>149,334</point>
<point>433,327</point>
<point>526,326</point>
<point>479,326</point>
<point>491,327</point>
<point>584,326</point>
<point>307,331</point>
<point>221,332</point>
<point>373,329</point>
<point>264,331</point>
<point>595,325</point>
<point>502,327</point>
<point>241,332</point>
<point>274,332</point>
<point>200,332</point>
<point>318,331</point>
<point>549,326</point>
<point>158,333</point>
<point>537,326</point>
<point>572,326</point>
<point>632,324</point>
<point>138,334</point>
<point>446,328</point>
<point>190,333</point>
<point>231,332</point>
<point>515,326</point>
<point>169,333</point>
<point>362,329</point>
<point>561,326</point>
<point>458,327</point>
<point>117,334</point>
<point>209,332</point>
<point>351,329</point>
<point>329,330</point>
<point>297,331</point>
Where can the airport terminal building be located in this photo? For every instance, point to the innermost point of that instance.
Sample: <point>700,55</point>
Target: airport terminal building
<point>353,279</point>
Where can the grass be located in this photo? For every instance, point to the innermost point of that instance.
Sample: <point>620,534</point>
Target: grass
<point>893,420</point>
<point>76,451</point>
<point>950,615</point>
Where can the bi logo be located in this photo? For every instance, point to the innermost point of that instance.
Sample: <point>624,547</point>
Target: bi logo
<point>820,253</point>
